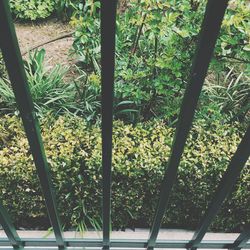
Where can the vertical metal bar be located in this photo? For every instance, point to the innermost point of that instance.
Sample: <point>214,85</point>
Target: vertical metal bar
<point>215,11</point>
<point>108,21</point>
<point>12,56</point>
<point>242,240</point>
<point>235,166</point>
<point>9,229</point>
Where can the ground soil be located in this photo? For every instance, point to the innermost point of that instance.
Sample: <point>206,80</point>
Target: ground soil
<point>58,52</point>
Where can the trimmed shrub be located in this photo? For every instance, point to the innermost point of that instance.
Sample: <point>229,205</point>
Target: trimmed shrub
<point>32,9</point>
<point>139,159</point>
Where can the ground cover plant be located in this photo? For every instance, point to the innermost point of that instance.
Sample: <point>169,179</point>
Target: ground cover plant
<point>49,91</point>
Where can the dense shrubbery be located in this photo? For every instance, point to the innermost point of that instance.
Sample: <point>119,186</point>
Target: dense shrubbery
<point>139,159</point>
<point>155,47</point>
<point>32,9</point>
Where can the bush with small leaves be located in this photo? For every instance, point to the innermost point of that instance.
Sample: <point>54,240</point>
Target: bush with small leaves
<point>140,156</point>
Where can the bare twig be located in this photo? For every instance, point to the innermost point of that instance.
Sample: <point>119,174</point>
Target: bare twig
<point>136,40</point>
<point>47,42</point>
<point>234,58</point>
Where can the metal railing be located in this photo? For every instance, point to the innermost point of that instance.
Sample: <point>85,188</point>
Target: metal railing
<point>210,28</point>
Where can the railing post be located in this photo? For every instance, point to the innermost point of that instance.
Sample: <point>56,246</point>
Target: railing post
<point>14,64</point>
<point>215,11</point>
<point>9,229</point>
<point>108,22</point>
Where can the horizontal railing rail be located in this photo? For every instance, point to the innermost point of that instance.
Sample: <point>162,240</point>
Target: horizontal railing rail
<point>133,243</point>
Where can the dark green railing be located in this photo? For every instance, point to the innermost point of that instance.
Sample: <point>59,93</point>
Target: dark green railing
<point>215,11</point>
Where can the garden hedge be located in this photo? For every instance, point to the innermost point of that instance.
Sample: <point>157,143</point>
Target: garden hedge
<point>140,155</point>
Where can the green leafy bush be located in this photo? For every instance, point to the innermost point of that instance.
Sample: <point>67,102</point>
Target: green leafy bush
<point>155,46</point>
<point>139,159</point>
<point>87,35</point>
<point>68,8</point>
<point>32,9</point>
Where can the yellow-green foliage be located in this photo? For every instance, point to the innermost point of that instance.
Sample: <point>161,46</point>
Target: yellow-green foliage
<point>32,9</point>
<point>139,159</point>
